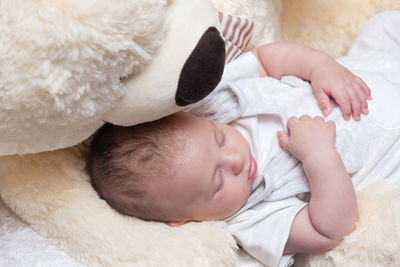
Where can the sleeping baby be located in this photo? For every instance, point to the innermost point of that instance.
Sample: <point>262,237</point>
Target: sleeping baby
<point>257,152</point>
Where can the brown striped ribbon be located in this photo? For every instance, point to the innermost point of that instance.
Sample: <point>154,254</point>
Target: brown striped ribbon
<point>237,33</point>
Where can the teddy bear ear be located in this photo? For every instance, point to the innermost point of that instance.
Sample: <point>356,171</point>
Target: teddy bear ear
<point>187,66</point>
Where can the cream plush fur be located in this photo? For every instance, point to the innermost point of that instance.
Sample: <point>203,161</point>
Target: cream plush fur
<point>60,65</point>
<point>329,25</point>
<point>50,191</point>
<point>375,242</point>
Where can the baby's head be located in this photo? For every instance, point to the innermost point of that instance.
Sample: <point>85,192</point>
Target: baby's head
<point>177,169</point>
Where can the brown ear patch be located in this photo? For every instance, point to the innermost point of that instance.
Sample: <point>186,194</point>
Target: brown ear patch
<point>203,69</point>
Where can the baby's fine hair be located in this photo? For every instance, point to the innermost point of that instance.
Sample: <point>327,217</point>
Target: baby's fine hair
<point>124,161</point>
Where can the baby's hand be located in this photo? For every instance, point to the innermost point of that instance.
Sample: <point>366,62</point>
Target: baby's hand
<point>308,137</point>
<point>331,79</point>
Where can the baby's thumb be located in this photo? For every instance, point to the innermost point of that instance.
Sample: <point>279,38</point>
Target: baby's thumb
<point>283,138</point>
<point>323,102</point>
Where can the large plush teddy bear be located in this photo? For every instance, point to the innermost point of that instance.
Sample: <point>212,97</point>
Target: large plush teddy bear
<point>62,62</point>
<point>68,66</point>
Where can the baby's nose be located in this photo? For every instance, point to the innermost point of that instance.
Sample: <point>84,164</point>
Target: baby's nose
<point>236,161</point>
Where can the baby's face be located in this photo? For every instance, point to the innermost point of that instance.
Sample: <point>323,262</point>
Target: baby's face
<point>214,170</point>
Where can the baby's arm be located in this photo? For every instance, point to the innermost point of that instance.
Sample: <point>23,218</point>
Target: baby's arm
<point>328,78</point>
<point>279,59</point>
<point>332,211</point>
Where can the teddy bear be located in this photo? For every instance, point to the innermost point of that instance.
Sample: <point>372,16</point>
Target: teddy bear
<point>63,62</point>
<point>51,191</point>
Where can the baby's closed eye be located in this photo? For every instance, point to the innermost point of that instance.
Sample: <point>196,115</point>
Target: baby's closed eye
<point>220,180</point>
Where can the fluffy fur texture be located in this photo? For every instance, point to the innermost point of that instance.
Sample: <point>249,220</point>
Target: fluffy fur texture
<point>50,191</point>
<point>329,25</point>
<point>375,242</point>
<point>61,63</point>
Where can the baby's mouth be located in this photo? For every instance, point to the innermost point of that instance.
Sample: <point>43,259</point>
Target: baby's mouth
<point>252,168</point>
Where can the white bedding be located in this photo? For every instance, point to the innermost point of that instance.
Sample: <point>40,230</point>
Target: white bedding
<point>21,246</point>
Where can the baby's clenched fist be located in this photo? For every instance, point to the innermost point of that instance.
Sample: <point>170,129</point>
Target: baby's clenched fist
<point>308,137</point>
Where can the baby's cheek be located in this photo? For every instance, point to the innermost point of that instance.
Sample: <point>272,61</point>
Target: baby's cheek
<point>241,196</point>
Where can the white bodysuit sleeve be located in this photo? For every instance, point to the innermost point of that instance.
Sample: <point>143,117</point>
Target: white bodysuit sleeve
<point>263,230</point>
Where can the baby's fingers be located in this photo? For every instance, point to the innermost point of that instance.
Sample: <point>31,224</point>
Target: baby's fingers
<point>358,98</point>
<point>364,93</point>
<point>323,102</point>
<point>355,100</point>
<point>364,88</point>
<point>283,138</point>
<point>363,99</point>
<point>343,100</point>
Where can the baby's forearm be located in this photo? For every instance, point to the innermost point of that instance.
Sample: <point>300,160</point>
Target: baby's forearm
<point>333,205</point>
<point>280,59</point>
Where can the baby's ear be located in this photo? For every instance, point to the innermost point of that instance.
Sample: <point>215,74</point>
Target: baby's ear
<point>175,224</point>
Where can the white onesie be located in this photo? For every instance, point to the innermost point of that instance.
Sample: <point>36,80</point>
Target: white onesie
<point>259,107</point>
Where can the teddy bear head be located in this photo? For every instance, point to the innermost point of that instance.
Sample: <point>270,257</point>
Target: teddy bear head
<point>185,68</point>
<point>66,67</point>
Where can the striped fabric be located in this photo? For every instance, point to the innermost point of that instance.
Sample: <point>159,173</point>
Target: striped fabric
<point>237,33</point>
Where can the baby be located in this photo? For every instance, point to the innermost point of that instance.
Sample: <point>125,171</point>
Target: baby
<point>186,167</point>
